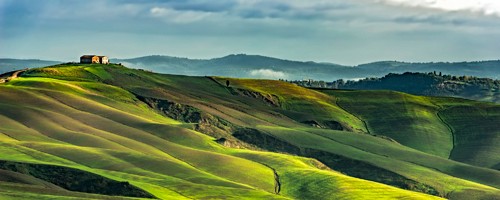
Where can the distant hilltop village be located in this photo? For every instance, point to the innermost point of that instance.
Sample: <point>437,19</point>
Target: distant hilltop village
<point>90,59</point>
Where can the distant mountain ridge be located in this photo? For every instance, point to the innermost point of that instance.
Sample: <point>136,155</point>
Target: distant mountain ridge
<point>235,65</point>
<point>257,66</point>
<point>9,64</point>
<point>242,65</point>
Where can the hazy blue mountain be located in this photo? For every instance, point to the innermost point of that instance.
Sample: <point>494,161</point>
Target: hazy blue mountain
<point>256,66</point>
<point>242,65</point>
<point>8,64</point>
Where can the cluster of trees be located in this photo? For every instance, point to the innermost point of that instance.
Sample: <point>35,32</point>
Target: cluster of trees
<point>312,83</point>
<point>432,83</point>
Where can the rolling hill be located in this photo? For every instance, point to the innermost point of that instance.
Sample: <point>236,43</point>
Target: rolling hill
<point>183,137</point>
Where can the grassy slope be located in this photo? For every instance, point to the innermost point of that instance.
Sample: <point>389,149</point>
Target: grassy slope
<point>300,103</point>
<point>462,130</point>
<point>103,129</point>
<point>477,133</point>
<point>410,120</point>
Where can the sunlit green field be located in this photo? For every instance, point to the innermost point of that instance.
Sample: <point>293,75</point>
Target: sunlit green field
<point>89,117</point>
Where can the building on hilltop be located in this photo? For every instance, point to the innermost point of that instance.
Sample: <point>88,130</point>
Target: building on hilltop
<point>103,60</point>
<point>90,59</point>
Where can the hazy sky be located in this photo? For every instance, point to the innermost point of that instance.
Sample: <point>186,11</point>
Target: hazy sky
<point>338,31</point>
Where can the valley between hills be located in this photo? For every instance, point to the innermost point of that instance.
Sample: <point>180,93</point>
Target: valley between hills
<point>92,131</point>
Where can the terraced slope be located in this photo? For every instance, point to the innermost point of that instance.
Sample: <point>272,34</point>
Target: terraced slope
<point>179,137</point>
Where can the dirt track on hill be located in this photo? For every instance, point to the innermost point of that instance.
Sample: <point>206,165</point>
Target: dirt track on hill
<point>16,73</point>
<point>13,76</point>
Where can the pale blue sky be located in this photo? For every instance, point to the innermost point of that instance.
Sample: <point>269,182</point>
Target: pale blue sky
<point>338,31</point>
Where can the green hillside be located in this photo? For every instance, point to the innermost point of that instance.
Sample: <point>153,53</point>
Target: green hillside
<point>476,129</point>
<point>461,130</point>
<point>180,137</point>
<point>410,120</point>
